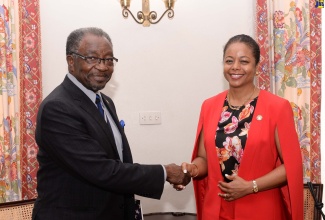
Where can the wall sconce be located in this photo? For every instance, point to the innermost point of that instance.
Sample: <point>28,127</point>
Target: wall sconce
<point>147,17</point>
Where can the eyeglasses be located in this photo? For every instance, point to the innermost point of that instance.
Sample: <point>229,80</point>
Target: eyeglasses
<point>111,61</point>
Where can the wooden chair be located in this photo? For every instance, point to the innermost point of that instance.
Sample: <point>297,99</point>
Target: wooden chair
<point>310,211</point>
<point>19,210</point>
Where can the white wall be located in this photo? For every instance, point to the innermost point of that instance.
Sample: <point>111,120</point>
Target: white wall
<point>169,67</point>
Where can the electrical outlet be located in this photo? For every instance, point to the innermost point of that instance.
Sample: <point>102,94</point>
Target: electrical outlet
<point>150,118</point>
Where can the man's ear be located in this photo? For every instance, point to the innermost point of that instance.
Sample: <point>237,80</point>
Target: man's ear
<point>70,62</point>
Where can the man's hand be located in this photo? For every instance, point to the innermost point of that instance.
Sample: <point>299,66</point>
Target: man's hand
<point>176,176</point>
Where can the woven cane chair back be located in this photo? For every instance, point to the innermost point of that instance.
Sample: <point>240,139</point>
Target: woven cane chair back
<point>310,212</point>
<point>20,210</point>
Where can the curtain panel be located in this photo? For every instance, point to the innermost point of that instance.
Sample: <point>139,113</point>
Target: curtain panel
<point>10,176</point>
<point>20,96</point>
<point>289,34</point>
<point>30,91</point>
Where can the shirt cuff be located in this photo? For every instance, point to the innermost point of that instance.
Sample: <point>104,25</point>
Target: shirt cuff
<point>165,175</point>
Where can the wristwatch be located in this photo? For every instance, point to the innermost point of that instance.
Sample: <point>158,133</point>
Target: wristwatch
<point>255,188</point>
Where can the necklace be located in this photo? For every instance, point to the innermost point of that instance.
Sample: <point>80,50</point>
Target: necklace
<point>238,107</point>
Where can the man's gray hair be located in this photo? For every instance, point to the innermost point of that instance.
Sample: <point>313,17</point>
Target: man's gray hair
<point>76,36</point>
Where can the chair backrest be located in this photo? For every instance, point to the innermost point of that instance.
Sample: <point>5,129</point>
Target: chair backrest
<point>310,212</point>
<point>19,210</point>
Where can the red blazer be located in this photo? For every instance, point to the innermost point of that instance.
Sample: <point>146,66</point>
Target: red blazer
<point>260,157</point>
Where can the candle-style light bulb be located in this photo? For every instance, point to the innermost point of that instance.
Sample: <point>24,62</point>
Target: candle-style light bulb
<point>169,4</point>
<point>125,3</point>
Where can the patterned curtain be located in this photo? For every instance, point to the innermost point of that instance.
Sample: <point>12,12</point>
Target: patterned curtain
<point>20,96</point>
<point>289,34</point>
<point>30,91</point>
<point>10,177</point>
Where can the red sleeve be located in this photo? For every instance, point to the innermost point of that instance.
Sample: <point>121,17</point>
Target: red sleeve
<point>292,158</point>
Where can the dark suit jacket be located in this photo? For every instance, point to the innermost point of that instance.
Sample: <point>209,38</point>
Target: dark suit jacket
<point>80,175</point>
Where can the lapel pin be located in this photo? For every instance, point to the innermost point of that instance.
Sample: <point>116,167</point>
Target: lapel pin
<point>259,117</point>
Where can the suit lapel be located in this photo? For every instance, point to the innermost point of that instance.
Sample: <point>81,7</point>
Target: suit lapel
<point>127,155</point>
<point>105,135</point>
<point>112,111</point>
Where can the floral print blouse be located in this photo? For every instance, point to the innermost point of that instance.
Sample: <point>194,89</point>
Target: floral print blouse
<point>231,136</point>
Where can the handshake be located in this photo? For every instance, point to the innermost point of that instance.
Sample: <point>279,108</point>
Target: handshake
<point>178,176</point>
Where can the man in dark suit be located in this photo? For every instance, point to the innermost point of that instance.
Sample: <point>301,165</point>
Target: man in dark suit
<point>86,170</point>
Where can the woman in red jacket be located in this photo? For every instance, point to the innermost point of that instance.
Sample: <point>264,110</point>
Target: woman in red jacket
<point>246,161</point>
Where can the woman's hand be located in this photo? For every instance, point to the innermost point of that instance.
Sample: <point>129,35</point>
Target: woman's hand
<point>199,167</point>
<point>235,189</point>
<point>189,169</point>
